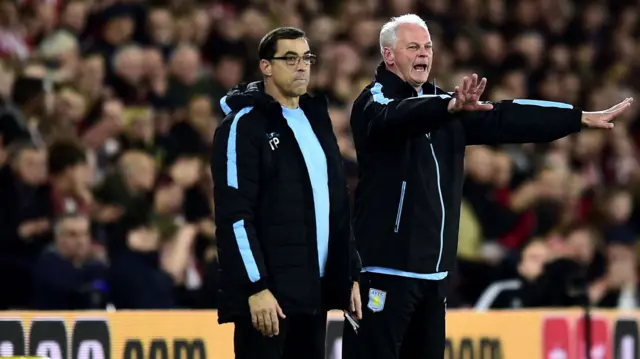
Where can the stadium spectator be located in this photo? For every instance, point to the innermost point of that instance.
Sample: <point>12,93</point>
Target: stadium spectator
<point>70,177</point>
<point>25,219</point>
<point>67,276</point>
<point>146,273</point>
<point>517,292</point>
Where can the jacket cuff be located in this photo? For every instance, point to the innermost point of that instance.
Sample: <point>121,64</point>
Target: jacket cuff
<point>355,274</point>
<point>256,287</point>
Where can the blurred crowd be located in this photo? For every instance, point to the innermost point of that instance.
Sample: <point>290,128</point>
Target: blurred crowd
<point>108,108</point>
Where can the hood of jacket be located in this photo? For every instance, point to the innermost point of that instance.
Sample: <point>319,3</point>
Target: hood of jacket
<point>245,95</point>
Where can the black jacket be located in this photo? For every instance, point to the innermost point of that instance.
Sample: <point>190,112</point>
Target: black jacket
<point>410,155</point>
<point>263,195</point>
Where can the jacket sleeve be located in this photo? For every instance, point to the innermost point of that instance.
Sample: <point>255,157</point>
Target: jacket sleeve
<point>387,119</point>
<point>235,169</point>
<point>521,121</point>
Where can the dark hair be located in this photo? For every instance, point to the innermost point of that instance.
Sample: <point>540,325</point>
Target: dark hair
<point>68,215</point>
<point>269,43</point>
<point>64,154</point>
<point>16,148</point>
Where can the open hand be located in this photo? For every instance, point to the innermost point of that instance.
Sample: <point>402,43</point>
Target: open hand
<point>265,313</point>
<point>602,119</point>
<point>467,96</point>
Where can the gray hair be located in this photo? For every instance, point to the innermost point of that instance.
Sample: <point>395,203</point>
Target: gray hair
<point>388,33</point>
<point>123,52</point>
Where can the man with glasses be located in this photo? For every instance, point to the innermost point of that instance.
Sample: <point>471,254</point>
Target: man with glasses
<point>282,209</point>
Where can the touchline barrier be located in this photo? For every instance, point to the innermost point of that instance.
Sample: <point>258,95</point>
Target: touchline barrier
<point>514,334</point>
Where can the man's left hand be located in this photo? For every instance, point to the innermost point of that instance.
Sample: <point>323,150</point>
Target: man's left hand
<point>356,304</point>
<point>602,119</point>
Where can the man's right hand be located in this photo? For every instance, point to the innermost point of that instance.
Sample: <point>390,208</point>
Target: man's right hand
<point>265,311</point>
<point>467,96</point>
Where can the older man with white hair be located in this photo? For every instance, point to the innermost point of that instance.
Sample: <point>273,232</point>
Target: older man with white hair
<point>410,139</point>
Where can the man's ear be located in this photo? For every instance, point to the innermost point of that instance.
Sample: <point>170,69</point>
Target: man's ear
<point>388,57</point>
<point>265,67</point>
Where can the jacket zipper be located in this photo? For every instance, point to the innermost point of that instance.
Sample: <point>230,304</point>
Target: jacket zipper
<point>435,160</point>
<point>400,205</point>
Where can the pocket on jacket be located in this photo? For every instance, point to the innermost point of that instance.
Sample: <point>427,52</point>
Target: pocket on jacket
<point>396,226</point>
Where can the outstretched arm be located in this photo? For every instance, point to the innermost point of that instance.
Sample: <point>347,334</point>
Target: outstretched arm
<point>523,121</point>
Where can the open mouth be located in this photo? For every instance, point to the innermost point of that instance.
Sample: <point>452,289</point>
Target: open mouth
<point>420,68</point>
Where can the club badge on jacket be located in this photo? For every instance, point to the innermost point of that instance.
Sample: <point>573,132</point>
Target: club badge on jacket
<point>377,298</point>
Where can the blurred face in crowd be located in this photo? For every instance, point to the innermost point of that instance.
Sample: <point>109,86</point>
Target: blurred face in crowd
<point>75,15</point>
<point>70,106</point>
<point>553,183</point>
<point>161,26</point>
<point>503,169</point>
<point>186,171</point>
<point>119,30</point>
<point>185,65</point>
<point>229,72</point>
<point>255,23</point>
<point>411,56</point>
<point>201,112</point>
<point>141,128</point>
<point>8,13</point>
<point>153,63</point>
<point>146,173</point>
<point>201,26</point>
<point>588,144</point>
<point>139,170</point>
<point>348,63</point>
<point>130,65</point>
<point>92,73</point>
<point>556,160</point>
<point>323,30</point>
<point>81,175</point>
<point>290,73</point>
<point>168,198</point>
<point>516,83</point>
<point>479,164</point>
<point>581,245</point>
<point>532,47</point>
<point>534,257</point>
<point>493,47</point>
<point>402,6</point>
<point>363,34</point>
<point>619,206</point>
<point>73,238</point>
<point>339,119</point>
<point>185,30</point>
<point>31,166</point>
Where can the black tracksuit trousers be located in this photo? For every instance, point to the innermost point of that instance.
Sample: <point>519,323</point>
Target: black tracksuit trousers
<point>302,336</point>
<point>403,318</point>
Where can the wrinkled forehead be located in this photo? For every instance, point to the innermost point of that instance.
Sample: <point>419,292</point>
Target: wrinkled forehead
<point>74,225</point>
<point>298,47</point>
<point>412,33</point>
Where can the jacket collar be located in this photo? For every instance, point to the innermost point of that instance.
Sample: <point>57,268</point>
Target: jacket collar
<point>254,94</point>
<point>397,85</point>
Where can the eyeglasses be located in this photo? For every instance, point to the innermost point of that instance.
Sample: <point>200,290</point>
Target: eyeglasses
<point>292,60</point>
